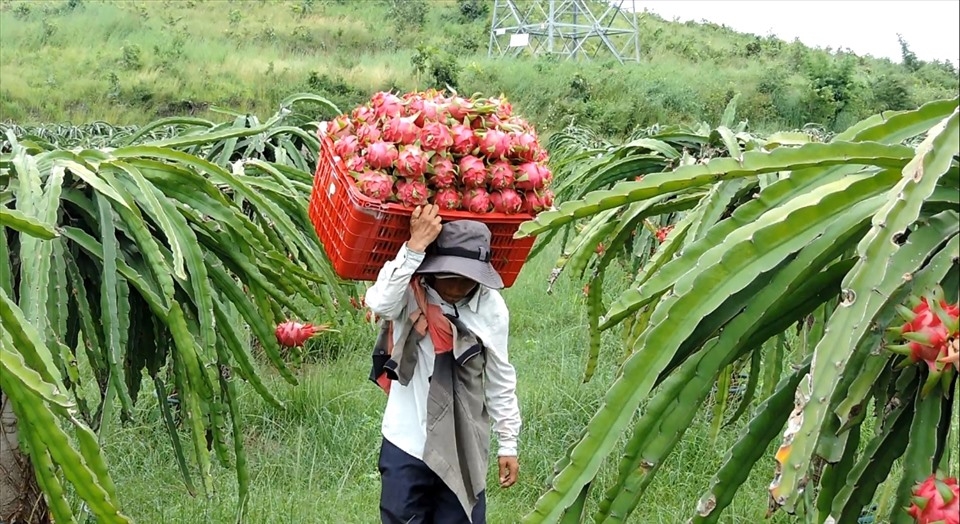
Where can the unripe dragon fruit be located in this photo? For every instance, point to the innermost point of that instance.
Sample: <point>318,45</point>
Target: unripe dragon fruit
<point>533,175</point>
<point>936,501</point>
<point>501,175</point>
<point>472,171</point>
<point>346,146</point>
<point>931,335</point>
<point>444,173</point>
<point>495,144</point>
<point>376,185</point>
<point>412,192</point>
<point>464,140</point>
<point>401,130</point>
<point>436,136</point>
<point>506,201</point>
<point>386,105</point>
<point>476,200</point>
<point>411,163</point>
<point>368,134</point>
<point>294,334</point>
<point>381,155</point>
<point>448,198</point>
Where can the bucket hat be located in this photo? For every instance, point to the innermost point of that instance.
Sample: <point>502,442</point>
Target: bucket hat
<point>462,248</point>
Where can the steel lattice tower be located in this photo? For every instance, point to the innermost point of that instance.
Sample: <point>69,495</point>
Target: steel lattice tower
<point>567,28</point>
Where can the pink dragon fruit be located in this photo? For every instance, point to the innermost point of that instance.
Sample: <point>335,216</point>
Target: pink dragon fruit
<point>535,202</point>
<point>386,105</point>
<point>363,114</point>
<point>532,175</point>
<point>501,175</point>
<point>525,146</point>
<point>464,140</point>
<point>436,136</point>
<point>368,134</point>
<point>340,127</point>
<point>381,155</point>
<point>495,144</point>
<point>444,173</point>
<point>448,198</point>
<point>929,333</point>
<point>476,200</point>
<point>401,130</point>
<point>472,171</point>
<point>936,501</point>
<point>346,146</point>
<point>355,163</point>
<point>411,163</point>
<point>506,201</point>
<point>412,192</point>
<point>293,334</point>
<point>376,185</point>
<point>460,109</point>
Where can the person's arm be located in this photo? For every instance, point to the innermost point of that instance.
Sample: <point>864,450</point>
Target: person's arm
<point>387,296</point>
<point>500,390</point>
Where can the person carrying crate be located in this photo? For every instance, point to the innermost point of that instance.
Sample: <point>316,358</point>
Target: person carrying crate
<point>442,359</point>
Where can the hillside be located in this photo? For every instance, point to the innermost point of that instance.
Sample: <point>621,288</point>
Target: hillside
<point>129,62</point>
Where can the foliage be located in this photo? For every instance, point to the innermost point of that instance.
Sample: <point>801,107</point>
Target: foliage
<point>829,236</point>
<point>153,256</point>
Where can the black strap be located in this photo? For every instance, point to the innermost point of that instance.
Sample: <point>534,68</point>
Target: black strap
<point>482,254</point>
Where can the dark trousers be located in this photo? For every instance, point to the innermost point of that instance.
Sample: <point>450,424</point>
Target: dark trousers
<point>411,493</point>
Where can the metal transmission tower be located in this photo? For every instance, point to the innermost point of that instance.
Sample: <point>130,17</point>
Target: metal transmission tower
<point>566,28</point>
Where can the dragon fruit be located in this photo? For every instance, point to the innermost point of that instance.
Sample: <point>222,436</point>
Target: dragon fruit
<point>501,175</point>
<point>386,105</point>
<point>448,198</point>
<point>412,192</point>
<point>936,501</point>
<point>368,134</point>
<point>381,155</point>
<point>363,114</point>
<point>346,146</point>
<point>663,232</point>
<point>355,163</point>
<point>506,201</point>
<point>401,130</point>
<point>411,163</point>
<point>525,146</point>
<point>532,175</point>
<point>464,140</point>
<point>460,109</point>
<point>495,144</point>
<point>375,185</point>
<point>535,202</point>
<point>476,200</point>
<point>444,173</point>
<point>930,334</point>
<point>340,127</point>
<point>294,334</point>
<point>472,171</point>
<point>436,136</point>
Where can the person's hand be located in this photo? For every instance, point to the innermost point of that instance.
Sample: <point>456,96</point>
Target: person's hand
<point>424,227</point>
<point>509,469</point>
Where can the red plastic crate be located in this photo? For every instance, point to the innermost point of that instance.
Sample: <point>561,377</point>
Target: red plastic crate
<point>360,234</point>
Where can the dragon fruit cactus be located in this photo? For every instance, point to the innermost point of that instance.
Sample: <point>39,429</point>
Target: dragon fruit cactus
<point>412,162</point>
<point>386,105</point>
<point>436,136</point>
<point>532,175</point>
<point>381,155</point>
<point>931,330</point>
<point>294,334</point>
<point>443,172</point>
<point>936,501</point>
<point>506,201</point>
<point>501,175</point>
<point>473,173</point>
<point>494,144</point>
<point>448,198</point>
<point>476,200</point>
<point>401,130</point>
<point>376,185</point>
<point>464,140</point>
<point>412,192</point>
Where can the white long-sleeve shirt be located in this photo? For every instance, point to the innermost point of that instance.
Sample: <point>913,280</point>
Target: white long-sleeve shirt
<point>485,314</point>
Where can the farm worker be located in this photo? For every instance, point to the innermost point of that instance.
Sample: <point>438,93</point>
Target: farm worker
<point>441,357</point>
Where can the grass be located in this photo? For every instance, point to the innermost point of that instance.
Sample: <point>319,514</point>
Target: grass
<point>316,460</point>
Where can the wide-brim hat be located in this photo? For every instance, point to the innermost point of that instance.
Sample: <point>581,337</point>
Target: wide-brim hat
<point>462,248</point>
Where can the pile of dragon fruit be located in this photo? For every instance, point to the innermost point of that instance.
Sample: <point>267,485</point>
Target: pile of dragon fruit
<point>470,154</point>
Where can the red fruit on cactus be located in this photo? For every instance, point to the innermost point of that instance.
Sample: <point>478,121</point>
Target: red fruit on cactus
<point>662,233</point>
<point>368,134</point>
<point>472,171</point>
<point>436,136</point>
<point>375,185</point>
<point>346,146</point>
<point>411,163</point>
<point>401,130</point>
<point>464,140</point>
<point>381,155</point>
<point>476,200</point>
<point>501,175</point>
<point>506,201</point>
<point>930,333</point>
<point>532,175</point>
<point>294,334</point>
<point>495,144</point>
<point>936,501</point>
<point>412,192</point>
<point>444,172</point>
<point>386,105</point>
<point>448,198</point>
